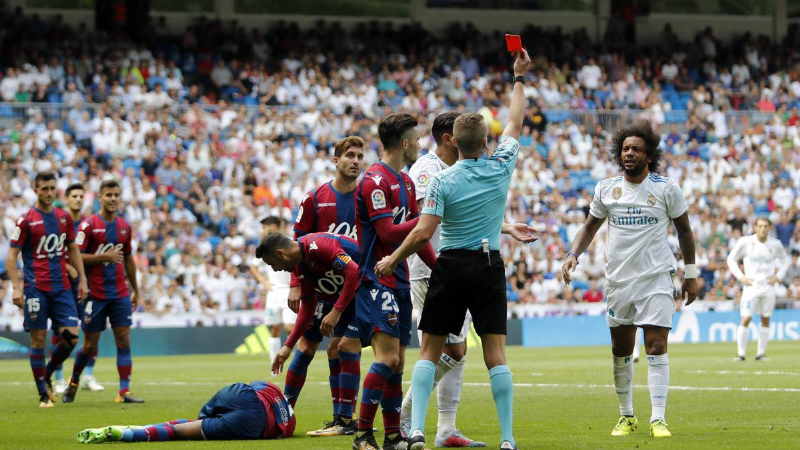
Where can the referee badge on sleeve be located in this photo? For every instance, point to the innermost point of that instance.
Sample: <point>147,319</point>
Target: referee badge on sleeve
<point>616,193</point>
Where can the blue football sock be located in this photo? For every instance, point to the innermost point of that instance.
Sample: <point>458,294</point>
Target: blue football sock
<point>421,386</point>
<point>88,371</point>
<point>503,393</point>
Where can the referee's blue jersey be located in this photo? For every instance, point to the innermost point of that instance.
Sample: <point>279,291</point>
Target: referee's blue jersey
<point>470,197</point>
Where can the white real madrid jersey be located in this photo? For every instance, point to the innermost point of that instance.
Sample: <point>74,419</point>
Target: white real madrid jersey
<point>639,217</point>
<point>422,173</point>
<point>762,261</point>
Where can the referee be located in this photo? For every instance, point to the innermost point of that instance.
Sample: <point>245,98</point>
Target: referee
<point>469,199</point>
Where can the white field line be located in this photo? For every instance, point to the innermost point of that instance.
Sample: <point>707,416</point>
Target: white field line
<point>519,385</point>
<point>744,372</point>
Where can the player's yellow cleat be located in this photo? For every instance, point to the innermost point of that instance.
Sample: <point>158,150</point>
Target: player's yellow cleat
<point>658,429</point>
<point>45,402</point>
<point>331,428</point>
<point>625,426</point>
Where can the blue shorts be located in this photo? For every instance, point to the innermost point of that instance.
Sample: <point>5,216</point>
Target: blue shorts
<point>77,305</point>
<point>379,308</point>
<point>323,308</point>
<point>58,306</point>
<point>234,412</point>
<point>97,312</point>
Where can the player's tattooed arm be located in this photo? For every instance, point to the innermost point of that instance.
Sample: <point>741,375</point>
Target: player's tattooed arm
<point>686,241</point>
<point>581,243</point>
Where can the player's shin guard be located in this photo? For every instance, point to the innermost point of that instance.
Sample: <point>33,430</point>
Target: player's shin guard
<point>349,381</point>
<point>742,334</point>
<point>81,360</point>
<point>54,340</point>
<point>38,368</point>
<point>372,394</point>
<point>335,367</point>
<point>503,393</point>
<point>59,355</point>
<point>422,385</point>
<point>658,382</point>
<point>763,339</point>
<point>623,384</point>
<point>448,394</point>
<point>296,376</point>
<point>391,403</point>
<point>89,370</point>
<point>124,367</point>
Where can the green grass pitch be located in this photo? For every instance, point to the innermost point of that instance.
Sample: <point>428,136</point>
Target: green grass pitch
<point>563,399</point>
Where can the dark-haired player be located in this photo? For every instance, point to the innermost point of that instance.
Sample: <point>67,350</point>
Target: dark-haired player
<point>43,236</point>
<point>386,211</point>
<point>105,240</point>
<point>328,208</point>
<point>321,261</point>
<point>240,411</point>
<point>640,206</point>
<point>74,202</point>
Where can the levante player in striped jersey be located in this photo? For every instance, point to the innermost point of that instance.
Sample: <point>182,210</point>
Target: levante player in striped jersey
<point>74,202</point>
<point>43,236</point>
<point>329,208</point>
<point>105,240</point>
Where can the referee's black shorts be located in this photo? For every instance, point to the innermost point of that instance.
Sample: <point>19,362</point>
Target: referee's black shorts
<point>461,280</point>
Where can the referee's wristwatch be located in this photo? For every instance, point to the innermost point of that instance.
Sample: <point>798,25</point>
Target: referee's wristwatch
<point>519,79</point>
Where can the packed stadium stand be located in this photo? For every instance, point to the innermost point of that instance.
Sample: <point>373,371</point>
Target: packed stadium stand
<point>212,129</point>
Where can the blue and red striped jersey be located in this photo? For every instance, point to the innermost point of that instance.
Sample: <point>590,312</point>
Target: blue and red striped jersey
<point>325,209</point>
<point>383,193</point>
<point>324,257</point>
<point>96,236</point>
<point>43,239</point>
<point>281,420</point>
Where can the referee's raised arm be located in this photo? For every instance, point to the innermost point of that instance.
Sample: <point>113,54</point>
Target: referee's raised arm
<point>517,110</point>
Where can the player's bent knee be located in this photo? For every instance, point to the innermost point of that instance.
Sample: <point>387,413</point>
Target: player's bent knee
<point>67,335</point>
<point>333,351</point>
<point>746,321</point>
<point>456,351</point>
<point>38,338</point>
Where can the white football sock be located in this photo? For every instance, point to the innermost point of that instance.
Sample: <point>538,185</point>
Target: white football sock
<point>448,395</point>
<point>444,365</point>
<point>658,382</point>
<point>763,339</point>
<point>742,334</point>
<point>623,383</point>
<point>275,345</point>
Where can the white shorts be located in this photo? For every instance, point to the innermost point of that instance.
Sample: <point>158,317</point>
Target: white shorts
<point>757,303</point>
<point>419,289</point>
<point>648,301</point>
<point>278,311</point>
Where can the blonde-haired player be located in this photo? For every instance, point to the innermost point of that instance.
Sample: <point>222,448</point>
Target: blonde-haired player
<point>765,263</point>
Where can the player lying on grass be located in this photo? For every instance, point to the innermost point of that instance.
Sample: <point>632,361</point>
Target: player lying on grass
<point>240,411</point>
<point>324,264</point>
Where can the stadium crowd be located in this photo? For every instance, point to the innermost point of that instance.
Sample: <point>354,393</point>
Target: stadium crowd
<point>211,130</point>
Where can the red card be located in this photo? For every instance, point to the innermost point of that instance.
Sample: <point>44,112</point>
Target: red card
<point>513,42</point>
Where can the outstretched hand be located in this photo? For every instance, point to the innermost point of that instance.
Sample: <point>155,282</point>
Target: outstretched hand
<point>522,63</point>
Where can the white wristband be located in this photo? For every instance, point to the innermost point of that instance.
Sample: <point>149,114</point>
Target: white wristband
<point>690,271</point>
